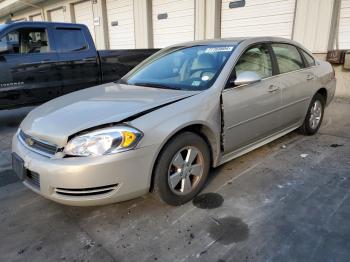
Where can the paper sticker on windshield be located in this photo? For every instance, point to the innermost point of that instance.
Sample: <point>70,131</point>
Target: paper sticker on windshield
<point>196,83</point>
<point>205,78</point>
<point>219,49</point>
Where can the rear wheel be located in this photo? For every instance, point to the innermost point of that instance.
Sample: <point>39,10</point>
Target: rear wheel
<point>182,169</point>
<point>314,115</point>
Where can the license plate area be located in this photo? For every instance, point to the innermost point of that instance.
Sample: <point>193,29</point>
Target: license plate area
<point>18,166</point>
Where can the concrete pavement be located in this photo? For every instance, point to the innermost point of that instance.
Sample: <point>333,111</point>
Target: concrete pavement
<point>269,205</point>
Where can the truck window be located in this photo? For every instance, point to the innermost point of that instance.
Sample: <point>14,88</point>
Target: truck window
<point>11,42</point>
<point>70,39</point>
<point>26,41</point>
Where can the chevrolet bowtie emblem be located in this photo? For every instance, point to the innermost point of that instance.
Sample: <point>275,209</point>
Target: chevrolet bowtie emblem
<point>29,141</point>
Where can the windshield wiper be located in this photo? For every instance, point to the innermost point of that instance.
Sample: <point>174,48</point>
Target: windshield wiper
<point>155,85</point>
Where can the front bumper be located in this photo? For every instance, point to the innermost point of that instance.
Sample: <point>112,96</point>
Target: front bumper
<point>86,181</point>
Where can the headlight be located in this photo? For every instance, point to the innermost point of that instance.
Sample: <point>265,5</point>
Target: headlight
<point>104,141</point>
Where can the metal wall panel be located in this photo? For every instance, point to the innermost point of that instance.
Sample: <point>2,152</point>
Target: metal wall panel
<point>257,18</point>
<point>56,15</point>
<point>120,18</point>
<point>83,14</point>
<point>37,17</point>
<point>313,23</point>
<point>173,21</point>
<point>344,25</point>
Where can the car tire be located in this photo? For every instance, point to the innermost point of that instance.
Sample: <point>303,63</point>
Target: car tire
<point>182,169</point>
<point>314,116</point>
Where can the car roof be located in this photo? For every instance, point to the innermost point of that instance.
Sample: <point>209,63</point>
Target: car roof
<point>236,40</point>
<point>240,40</point>
<point>29,23</point>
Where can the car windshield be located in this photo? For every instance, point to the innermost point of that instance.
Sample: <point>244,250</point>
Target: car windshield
<point>182,68</point>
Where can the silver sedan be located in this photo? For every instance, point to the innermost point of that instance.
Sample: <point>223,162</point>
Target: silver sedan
<point>161,127</point>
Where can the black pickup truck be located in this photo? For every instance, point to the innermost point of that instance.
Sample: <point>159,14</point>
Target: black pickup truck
<point>42,60</point>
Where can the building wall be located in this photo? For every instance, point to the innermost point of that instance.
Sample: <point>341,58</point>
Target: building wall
<point>308,22</point>
<point>320,25</point>
<point>313,24</point>
<point>258,18</point>
<point>344,25</point>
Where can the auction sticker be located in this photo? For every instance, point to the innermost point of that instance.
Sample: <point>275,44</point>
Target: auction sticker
<point>218,49</point>
<point>205,78</point>
<point>196,83</point>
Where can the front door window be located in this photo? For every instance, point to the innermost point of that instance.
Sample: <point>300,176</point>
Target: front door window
<point>26,41</point>
<point>256,59</point>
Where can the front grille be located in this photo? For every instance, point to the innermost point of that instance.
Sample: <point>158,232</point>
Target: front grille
<point>33,178</point>
<point>37,145</point>
<point>92,191</point>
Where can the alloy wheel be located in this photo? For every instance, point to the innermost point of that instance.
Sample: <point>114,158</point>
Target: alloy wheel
<point>185,170</point>
<point>315,114</point>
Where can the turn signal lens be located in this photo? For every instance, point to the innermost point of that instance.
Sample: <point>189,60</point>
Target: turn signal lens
<point>104,141</point>
<point>128,138</point>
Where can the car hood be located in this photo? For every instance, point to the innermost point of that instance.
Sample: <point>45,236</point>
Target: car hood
<point>62,117</point>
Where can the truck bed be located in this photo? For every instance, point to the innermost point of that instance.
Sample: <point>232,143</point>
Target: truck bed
<point>116,63</point>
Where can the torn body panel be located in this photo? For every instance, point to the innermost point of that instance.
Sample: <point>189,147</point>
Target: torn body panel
<point>222,130</point>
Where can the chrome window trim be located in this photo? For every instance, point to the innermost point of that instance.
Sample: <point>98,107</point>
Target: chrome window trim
<point>270,77</point>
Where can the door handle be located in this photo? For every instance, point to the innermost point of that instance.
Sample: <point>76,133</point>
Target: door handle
<point>309,77</point>
<point>273,88</point>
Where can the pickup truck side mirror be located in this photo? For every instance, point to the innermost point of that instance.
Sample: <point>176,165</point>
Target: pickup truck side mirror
<point>246,78</point>
<point>6,48</point>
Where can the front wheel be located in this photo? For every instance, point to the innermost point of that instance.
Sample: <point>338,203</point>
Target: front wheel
<point>314,115</point>
<point>182,168</point>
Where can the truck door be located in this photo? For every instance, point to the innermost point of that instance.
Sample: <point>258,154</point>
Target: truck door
<point>28,72</point>
<point>78,61</point>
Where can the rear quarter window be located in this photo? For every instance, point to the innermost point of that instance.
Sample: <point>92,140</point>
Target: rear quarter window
<point>310,61</point>
<point>68,40</point>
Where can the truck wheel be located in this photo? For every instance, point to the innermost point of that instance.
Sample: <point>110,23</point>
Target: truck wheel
<point>314,116</point>
<point>182,169</point>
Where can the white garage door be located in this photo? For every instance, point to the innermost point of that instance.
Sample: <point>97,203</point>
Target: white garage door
<point>56,15</point>
<point>84,15</point>
<point>312,24</point>
<point>258,18</point>
<point>344,25</point>
<point>36,17</point>
<point>120,17</point>
<point>173,21</point>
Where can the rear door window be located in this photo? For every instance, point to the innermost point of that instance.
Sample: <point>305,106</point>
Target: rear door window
<point>69,39</point>
<point>288,58</point>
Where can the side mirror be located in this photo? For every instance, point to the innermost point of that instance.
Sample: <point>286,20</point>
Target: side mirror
<point>5,48</point>
<point>246,77</point>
